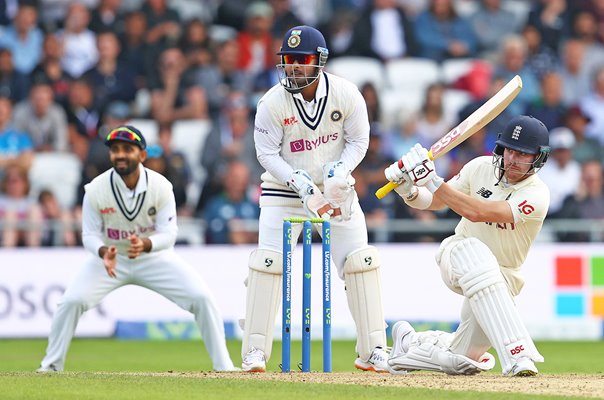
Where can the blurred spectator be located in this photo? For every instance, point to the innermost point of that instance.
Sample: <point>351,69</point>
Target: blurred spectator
<point>370,176</point>
<point>268,78</point>
<point>158,161</point>
<point>475,146</point>
<point>490,24</point>
<point>106,16</point>
<point>432,122</point>
<point>82,117</point>
<point>231,138</point>
<point>53,13</point>
<point>403,137</point>
<point>16,147</point>
<point>442,34</point>
<point>232,13</point>
<point>111,80</point>
<point>512,61</point>
<point>79,44</point>
<point>586,149</point>
<point>576,71</point>
<point>50,69</point>
<point>223,77</point>
<point>8,10</point>
<point>383,31</point>
<point>587,204</point>
<point>593,106</point>
<point>377,212</point>
<point>196,44</point>
<point>43,119</point>
<point>255,41</point>
<point>540,59</point>
<point>176,96</point>
<point>96,159</point>
<point>372,100</point>
<point>283,18</point>
<point>225,211</point>
<point>60,224</point>
<point>134,47</point>
<point>552,19</point>
<point>561,173</point>
<point>13,84</point>
<point>549,108</point>
<point>23,38</point>
<point>595,8</point>
<point>19,212</point>
<point>163,26</point>
<point>339,31</point>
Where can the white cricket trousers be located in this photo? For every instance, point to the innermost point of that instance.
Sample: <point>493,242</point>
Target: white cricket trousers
<point>165,273</point>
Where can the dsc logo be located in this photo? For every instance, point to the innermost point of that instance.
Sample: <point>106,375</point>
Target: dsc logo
<point>517,350</point>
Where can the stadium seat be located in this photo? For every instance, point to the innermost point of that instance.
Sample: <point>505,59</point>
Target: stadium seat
<point>358,70</point>
<point>394,103</point>
<point>454,101</point>
<point>412,74</point>
<point>188,138</point>
<point>149,128</point>
<point>58,172</point>
<point>453,69</point>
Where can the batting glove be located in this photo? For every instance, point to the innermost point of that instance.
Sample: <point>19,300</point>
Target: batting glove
<point>314,203</point>
<point>421,169</point>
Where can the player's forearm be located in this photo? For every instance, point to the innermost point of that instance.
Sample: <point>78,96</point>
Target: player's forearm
<point>473,209</point>
<point>159,241</point>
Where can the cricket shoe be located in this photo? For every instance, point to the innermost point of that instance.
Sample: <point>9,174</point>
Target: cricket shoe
<point>402,336</point>
<point>254,361</point>
<point>524,367</point>
<point>378,361</point>
<point>44,370</point>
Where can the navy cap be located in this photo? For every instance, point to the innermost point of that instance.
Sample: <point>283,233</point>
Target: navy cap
<point>126,133</point>
<point>303,39</point>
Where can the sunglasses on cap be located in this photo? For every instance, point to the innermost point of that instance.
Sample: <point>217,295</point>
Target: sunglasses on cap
<point>302,59</point>
<point>123,134</point>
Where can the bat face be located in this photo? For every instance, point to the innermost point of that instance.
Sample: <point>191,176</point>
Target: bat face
<point>441,147</point>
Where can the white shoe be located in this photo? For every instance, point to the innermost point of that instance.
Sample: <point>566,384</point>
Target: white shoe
<point>254,361</point>
<point>378,361</point>
<point>524,367</point>
<point>402,333</point>
<point>44,370</point>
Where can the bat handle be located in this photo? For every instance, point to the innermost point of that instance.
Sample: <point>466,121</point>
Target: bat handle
<point>384,190</point>
<point>390,186</point>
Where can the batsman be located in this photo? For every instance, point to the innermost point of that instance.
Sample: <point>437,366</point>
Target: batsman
<point>502,203</point>
<point>311,131</point>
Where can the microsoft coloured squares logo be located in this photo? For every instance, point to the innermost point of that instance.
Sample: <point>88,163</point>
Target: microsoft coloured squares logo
<point>579,286</point>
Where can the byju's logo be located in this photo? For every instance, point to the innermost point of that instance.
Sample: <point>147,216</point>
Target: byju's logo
<point>304,144</point>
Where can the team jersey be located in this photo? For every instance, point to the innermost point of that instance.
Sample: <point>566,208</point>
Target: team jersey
<point>528,200</point>
<point>291,133</point>
<point>112,212</point>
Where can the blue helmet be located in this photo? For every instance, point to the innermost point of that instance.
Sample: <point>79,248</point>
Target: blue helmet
<point>299,41</point>
<point>527,135</point>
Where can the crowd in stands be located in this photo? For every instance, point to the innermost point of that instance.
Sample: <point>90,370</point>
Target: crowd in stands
<point>72,70</point>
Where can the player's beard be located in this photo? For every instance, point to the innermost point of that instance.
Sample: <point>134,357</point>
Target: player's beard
<point>130,167</point>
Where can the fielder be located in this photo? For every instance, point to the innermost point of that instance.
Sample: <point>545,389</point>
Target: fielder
<point>129,227</point>
<point>502,203</point>
<point>311,131</point>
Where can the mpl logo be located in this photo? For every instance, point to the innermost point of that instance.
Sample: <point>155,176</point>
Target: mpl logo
<point>290,121</point>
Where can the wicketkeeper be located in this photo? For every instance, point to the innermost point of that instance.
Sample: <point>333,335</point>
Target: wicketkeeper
<point>311,131</point>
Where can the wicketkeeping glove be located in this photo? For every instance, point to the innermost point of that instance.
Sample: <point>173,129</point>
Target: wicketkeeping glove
<point>339,187</point>
<point>421,169</point>
<point>314,203</point>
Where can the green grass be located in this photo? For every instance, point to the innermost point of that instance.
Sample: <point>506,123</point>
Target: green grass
<point>18,358</point>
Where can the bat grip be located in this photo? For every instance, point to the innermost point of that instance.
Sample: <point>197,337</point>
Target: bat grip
<point>390,186</point>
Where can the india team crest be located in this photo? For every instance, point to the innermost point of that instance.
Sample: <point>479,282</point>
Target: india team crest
<point>294,40</point>
<point>152,211</point>
<point>336,115</point>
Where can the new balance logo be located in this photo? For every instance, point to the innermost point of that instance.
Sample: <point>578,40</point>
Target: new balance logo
<point>484,192</point>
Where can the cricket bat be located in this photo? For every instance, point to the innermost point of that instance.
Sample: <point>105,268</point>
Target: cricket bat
<point>469,126</point>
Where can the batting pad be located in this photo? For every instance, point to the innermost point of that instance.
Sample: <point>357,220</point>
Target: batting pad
<point>363,291</point>
<point>482,282</point>
<point>263,295</point>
